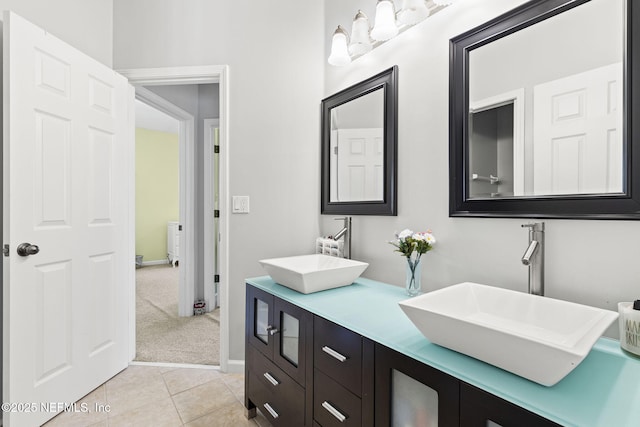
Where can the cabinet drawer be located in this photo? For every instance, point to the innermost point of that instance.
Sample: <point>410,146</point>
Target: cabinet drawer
<point>270,375</point>
<point>268,385</point>
<point>338,353</point>
<point>334,405</point>
<point>285,408</point>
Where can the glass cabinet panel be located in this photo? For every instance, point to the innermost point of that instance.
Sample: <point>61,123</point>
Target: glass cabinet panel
<point>262,321</point>
<point>290,338</point>
<point>412,402</point>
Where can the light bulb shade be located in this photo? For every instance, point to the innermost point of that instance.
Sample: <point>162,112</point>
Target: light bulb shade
<point>339,52</point>
<point>360,39</point>
<point>385,26</point>
<point>413,11</point>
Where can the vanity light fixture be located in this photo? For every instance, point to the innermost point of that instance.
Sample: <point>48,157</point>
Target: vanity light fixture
<point>385,26</point>
<point>364,39</point>
<point>339,51</point>
<point>360,39</point>
<point>413,11</point>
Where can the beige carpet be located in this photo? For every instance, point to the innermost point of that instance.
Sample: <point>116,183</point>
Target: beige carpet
<point>162,336</point>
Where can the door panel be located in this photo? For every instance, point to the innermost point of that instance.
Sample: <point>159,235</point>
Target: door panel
<point>67,157</point>
<point>576,131</point>
<point>360,164</point>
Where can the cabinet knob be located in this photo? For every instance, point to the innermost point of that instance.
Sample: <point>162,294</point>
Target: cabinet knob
<point>272,330</point>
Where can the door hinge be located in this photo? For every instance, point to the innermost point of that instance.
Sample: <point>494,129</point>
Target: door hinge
<point>335,150</point>
<point>5,250</point>
<point>216,278</point>
<point>216,149</point>
<point>216,213</point>
<point>180,227</point>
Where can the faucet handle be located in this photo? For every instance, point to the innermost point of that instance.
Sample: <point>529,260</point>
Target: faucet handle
<point>534,226</point>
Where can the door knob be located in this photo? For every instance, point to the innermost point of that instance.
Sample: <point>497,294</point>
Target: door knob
<point>26,249</point>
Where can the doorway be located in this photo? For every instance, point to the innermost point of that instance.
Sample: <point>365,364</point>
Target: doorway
<point>146,81</point>
<point>162,336</point>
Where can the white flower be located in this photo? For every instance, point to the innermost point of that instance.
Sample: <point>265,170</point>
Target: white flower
<point>419,236</point>
<point>404,234</point>
<point>429,238</point>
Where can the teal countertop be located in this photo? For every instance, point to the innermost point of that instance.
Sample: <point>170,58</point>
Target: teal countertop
<point>604,390</point>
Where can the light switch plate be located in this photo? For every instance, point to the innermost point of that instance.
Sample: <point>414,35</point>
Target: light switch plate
<point>240,204</point>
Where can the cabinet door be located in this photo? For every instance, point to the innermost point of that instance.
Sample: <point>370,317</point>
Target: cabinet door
<point>482,409</point>
<point>411,393</point>
<point>260,326</point>
<point>290,340</point>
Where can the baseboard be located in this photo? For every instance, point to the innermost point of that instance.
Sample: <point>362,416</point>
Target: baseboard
<point>235,366</point>
<point>155,262</point>
<point>174,365</point>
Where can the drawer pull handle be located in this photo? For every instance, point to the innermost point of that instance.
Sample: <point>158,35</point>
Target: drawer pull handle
<point>331,352</point>
<point>270,378</point>
<point>269,409</point>
<point>333,411</point>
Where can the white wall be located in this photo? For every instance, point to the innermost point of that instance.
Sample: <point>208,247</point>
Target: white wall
<point>590,262</point>
<point>274,52</point>
<point>87,25</point>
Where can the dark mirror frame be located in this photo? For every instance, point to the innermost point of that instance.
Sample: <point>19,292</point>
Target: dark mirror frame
<point>625,205</point>
<point>388,81</point>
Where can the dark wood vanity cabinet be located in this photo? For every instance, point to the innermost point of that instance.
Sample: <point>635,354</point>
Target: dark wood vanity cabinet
<point>278,375</point>
<point>303,370</point>
<point>480,409</point>
<point>411,393</point>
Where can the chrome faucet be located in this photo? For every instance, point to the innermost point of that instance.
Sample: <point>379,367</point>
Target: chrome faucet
<point>346,233</point>
<point>533,257</point>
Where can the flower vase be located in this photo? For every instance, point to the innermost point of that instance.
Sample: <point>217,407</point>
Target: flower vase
<point>413,282</point>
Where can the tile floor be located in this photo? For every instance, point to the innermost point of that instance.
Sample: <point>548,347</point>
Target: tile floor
<point>144,395</point>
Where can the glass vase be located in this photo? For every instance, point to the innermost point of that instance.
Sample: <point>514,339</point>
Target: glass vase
<point>413,282</point>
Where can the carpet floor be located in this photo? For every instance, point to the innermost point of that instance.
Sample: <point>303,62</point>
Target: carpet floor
<point>163,336</point>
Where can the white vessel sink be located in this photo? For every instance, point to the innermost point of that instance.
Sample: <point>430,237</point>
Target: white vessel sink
<point>539,338</point>
<point>313,273</point>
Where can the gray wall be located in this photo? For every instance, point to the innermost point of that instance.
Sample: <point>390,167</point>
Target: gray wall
<point>589,262</point>
<point>274,53</point>
<point>87,25</point>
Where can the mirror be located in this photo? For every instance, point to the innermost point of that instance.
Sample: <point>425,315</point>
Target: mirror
<point>359,147</point>
<point>542,111</point>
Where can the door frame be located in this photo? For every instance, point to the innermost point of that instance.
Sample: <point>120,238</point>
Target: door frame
<point>198,75</point>
<point>210,178</point>
<point>515,97</point>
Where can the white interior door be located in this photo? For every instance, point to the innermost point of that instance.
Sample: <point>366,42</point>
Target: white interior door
<point>67,159</point>
<point>360,164</point>
<point>578,133</point>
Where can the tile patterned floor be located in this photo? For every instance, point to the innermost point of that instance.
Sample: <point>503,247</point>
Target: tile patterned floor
<point>144,395</point>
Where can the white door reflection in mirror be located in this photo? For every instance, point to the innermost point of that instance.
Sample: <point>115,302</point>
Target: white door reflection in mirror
<point>357,149</point>
<point>577,124</point>
<point>359,163</point>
